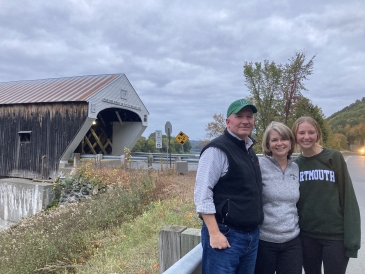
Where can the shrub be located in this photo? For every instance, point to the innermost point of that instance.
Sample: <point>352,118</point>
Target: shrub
<point>55,240</point>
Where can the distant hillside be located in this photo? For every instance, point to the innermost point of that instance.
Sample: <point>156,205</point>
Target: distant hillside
<point>352,115</point>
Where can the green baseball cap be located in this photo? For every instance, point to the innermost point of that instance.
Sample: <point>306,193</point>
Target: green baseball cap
<point>236,106</point>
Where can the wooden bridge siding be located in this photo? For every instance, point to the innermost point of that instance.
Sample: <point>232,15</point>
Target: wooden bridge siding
<point>53,126</point>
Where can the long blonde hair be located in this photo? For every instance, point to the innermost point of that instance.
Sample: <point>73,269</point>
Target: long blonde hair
<point>311,121</point>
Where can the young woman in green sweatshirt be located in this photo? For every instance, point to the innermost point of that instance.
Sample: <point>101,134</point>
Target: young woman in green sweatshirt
<point>329,217</point>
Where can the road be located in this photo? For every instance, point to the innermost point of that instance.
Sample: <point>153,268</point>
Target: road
<point>356,166</point>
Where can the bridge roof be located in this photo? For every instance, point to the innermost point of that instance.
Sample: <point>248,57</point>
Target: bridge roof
<point>67,89</point>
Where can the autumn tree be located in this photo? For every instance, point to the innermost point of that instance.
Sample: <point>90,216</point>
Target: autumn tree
<point>292,82</point>
<point>216,127</point>
<point>263,82</point>
<point>362,132</point>
<point>338,141</point>
<point>275,89</point>
<point>350,121</point>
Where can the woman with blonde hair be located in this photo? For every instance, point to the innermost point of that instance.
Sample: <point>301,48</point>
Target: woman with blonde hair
<point>329,216</point>
<point>280,248</point>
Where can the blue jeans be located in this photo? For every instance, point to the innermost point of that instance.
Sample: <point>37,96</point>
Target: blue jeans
<point>239,258</point>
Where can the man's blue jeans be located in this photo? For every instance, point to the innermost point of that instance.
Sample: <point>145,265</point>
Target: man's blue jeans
<point>239,258</point>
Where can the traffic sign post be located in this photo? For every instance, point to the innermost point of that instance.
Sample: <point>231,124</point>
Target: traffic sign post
<point>168,130</point>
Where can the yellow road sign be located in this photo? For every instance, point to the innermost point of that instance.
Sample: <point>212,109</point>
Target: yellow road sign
<point>181,138</point>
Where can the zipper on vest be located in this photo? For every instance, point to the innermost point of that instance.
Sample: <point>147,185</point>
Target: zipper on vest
<point>227,211</point>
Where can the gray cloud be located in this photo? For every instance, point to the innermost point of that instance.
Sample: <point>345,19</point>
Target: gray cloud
<point>185,58</point>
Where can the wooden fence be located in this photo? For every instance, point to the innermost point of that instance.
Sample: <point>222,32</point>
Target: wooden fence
<point>174,243</point>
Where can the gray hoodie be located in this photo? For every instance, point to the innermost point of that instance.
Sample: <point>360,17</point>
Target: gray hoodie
<point>280,195</point>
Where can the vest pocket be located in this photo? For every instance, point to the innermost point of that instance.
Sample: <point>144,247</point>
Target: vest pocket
<point>223,210</point>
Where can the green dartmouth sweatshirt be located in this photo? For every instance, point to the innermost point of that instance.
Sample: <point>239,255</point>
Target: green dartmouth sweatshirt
<point>327,206</point>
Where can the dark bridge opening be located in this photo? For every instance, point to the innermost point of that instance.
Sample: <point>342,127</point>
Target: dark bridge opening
<point>99,138</point>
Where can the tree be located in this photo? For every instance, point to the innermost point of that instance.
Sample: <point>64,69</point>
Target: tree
<point>140,145</point>
<point>362,132</point>
<point>149,145</point>
<point>203,143</point>
<point>352,134</point>
<point>338,141</point>
<point>275,89</point>
<point>216,127</point>
<point>355,134</point>
<point>292,81</point>
<point>263,83</point>
<point>178,148</point>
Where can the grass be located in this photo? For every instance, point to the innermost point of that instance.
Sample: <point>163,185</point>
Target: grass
<point>132,248</point>
<point>114,232</point>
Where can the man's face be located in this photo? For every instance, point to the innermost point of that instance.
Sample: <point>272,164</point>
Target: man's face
<point>241,123</point>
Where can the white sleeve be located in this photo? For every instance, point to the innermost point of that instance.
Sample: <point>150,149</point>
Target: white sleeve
<point>213,164</point>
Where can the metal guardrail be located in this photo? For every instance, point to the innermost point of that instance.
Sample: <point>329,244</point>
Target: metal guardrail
<point>187,264</point>
<point>164,157</point>
<point>155,157</point>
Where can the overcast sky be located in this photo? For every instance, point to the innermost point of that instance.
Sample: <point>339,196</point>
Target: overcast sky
<point>185,58</point>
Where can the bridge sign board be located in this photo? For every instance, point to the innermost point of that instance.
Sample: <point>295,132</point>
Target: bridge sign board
<point>158,138</point>
<point>181,138</point>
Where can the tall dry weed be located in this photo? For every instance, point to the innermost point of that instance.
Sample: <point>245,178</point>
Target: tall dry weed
<point>54,241</point>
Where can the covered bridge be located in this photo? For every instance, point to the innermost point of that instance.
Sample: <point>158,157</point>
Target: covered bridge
<point>43,122</point>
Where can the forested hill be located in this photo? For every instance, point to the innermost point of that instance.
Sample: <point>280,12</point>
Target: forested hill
<point>351,115</point>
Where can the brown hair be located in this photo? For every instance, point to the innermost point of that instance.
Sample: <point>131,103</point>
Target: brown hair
<point>283,131</point>
<point>309,120</point>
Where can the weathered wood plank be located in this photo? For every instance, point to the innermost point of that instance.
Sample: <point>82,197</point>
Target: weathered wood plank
<point>169,245</point>
<point>190,238</point>
<point>52,125</point>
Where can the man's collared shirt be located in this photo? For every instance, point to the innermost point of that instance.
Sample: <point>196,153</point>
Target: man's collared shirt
<point>213,164</point>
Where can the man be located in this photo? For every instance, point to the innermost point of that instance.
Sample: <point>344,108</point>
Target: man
<point>227,195</point>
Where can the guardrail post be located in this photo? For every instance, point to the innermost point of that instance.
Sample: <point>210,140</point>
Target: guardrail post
<point>169,246</point>
<point>76,159</point>
<point>98,158</point>
<point>149,160</point>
